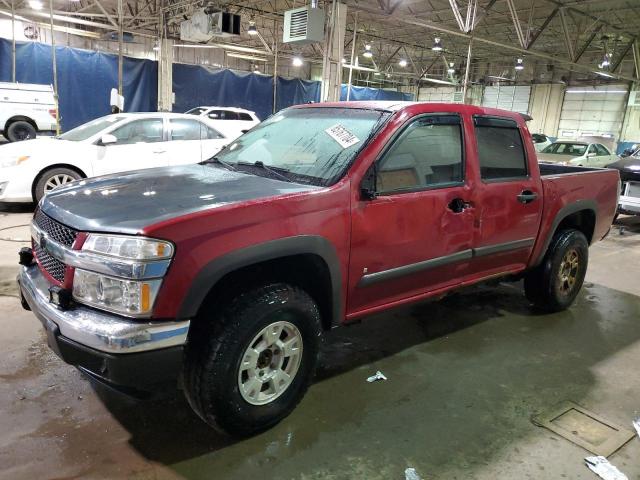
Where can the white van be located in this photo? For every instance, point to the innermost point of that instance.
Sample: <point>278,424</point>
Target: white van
<point>26,109</point>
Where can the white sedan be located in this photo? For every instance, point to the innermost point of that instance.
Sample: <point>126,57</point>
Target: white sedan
<point>111,144</point>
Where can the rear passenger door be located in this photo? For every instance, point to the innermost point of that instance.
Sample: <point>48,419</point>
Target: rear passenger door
<point>191,141</point>
<point>416,235</point>
<point>509,197</point>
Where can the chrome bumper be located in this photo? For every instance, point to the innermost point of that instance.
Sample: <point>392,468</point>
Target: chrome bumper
<point>94,329</point>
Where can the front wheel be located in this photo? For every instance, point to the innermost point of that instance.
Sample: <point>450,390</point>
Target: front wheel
<point>52,179</point>
<point>248,364</point>
<point>554,285</point>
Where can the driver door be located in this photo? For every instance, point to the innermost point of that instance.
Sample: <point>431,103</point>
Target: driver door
<point>140,144</point>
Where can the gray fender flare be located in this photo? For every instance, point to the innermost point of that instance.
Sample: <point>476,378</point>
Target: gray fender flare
<point>216,269</point>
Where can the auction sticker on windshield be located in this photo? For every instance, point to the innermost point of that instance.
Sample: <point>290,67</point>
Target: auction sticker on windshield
<point>341,135</point>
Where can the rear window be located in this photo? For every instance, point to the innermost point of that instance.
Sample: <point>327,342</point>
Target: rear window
<point>244,116</point>
<point>500,149</point>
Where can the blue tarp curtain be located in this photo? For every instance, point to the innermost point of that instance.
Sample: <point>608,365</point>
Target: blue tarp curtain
<point>196,85</point>
<point>85,79</point>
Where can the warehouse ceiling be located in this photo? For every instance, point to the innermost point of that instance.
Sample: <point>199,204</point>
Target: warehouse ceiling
<point>558,41</point>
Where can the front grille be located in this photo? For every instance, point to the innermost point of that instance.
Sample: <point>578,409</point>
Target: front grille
<point>51,265</point>
<point>54,230</point>
<point>57,232</point>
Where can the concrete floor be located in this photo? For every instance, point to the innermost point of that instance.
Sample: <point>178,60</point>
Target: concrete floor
<point>465,376</point>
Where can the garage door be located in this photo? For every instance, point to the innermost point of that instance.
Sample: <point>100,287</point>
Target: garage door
<point>436,94</point>
<point>512,98</point>
<point>592,111</point>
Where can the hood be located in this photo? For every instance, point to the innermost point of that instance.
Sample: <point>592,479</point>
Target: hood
<point>629,168</point>
<point>37,146</point>
<point>554,157</point>
<point>129,202</point>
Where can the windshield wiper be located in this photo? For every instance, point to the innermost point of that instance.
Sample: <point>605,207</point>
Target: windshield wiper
<point>260,164</point>
<point>218,161</point>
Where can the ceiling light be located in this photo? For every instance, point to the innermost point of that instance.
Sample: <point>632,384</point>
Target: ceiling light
<point>344,61</point>
<point>256,69</point>
<point>606,61</point>
<point>437,45</point>
<point>297,61</point>
<point>519,64</point>
<point>252,30</point>
<point>402,62</point>
<point>451,69</point>
<point>367,51</point>
<point>35,4</point>
<point>156,45</point>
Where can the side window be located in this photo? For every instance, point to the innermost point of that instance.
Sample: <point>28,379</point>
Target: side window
<point>602,150</point>
<point>244,116</point>
<point>186,129</point>
<point>209,133</point>
<point>428,153</point>
<point>500,149</point>
<point>148,130</point>
<point>592,148</point>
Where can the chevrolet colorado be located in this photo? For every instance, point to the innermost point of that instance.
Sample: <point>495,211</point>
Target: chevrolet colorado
<point>222,277</point>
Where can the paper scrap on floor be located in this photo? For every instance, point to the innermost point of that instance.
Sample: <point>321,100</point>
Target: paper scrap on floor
<point>411,474</point>
<point>601,467</point>
<point>378,376</point>
<point>636,425</point>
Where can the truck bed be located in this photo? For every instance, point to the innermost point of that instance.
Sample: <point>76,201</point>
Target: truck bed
<point>548,169</point>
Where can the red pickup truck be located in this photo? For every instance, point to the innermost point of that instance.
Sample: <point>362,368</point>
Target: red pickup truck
<point>222,277</point>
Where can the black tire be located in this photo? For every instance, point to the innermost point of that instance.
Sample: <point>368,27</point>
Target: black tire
<point>48,175</point>
<point>19,131</point>
<point>218,341</point>
<point>544,286</point>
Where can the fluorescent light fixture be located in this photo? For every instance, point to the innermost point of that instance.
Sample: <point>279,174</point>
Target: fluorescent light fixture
<point>438,81</point>
<point>35,4</point>
<point>402,62</point>
<point>252,30</point>
<point>519,64</point>
<point>246,57</point>
<point>297,61</point>
<point>437,45</point>
<point>604,74</point>
<point>367,51</point>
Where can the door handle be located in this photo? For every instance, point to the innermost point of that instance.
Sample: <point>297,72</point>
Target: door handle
<point>527,196</point>
<point>458,205</point>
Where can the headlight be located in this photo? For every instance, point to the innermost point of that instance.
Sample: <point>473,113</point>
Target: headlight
<point>133,248</point>
<point>127,297</point>
<point>12,162</point>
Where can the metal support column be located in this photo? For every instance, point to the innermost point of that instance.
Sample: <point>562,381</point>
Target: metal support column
<point>13,41</point>
<point>466,73</point>
<point>120,44</point>
<point>55,67</point>
<point>333,51</point>
<point>353,54</point>
<point>275,71</point>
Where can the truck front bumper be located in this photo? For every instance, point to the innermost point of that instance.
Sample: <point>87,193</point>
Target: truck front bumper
<point>124,352</point>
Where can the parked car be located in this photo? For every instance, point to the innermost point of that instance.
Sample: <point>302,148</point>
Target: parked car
<point>231,272</point>
<point>540,141</point>
<point>578,154</point>
<point>111,144</point>
<point>629,168</point>
<point>27,109</point>
<point>243,120</point>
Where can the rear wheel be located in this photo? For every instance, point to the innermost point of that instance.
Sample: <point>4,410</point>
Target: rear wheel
<point>52,179</point>
<point>554,285</point>
<point>249,363</point>
<point>20,130</point>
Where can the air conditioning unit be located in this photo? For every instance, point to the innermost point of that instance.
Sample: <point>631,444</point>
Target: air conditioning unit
<point>303,25</point>
<point>203,26</point>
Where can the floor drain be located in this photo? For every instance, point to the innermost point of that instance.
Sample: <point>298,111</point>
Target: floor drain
<point>585,428</point>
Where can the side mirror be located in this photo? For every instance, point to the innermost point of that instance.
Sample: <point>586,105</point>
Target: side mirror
<point>108,139</point>
<point>368,185</point>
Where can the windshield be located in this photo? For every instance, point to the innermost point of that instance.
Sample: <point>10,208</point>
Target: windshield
<point>196,111</point>
<point>305,145</point>
<point>574,149</point>
<point>89,129</point>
